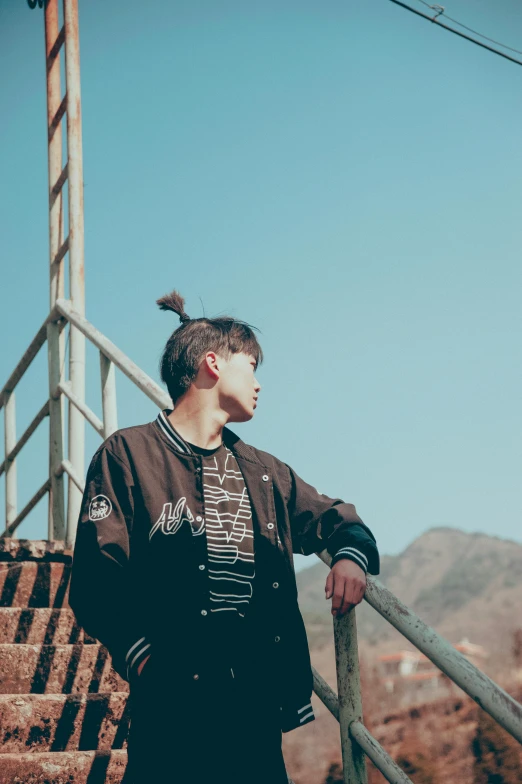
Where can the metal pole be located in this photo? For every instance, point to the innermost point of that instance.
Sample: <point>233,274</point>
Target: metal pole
<point>349,695</point>
<point>55,335</point>
<point>121,360</point>
<point>389,769</point>
<point>76,258</point>
<point>494,700</point>
<point>108,389</point>
<point>10,465</point>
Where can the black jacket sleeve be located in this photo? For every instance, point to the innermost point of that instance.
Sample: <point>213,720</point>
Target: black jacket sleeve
<point>319,522</point>
<point>101,593</point>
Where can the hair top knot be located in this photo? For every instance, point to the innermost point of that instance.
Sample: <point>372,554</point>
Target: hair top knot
<point>175,302</point>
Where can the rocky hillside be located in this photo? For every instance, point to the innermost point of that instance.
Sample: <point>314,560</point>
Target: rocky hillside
<point>465,585</point>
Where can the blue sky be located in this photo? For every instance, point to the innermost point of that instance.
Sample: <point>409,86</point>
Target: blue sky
<point>343,175</point>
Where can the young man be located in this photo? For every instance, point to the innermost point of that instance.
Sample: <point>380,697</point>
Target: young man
<point>183,569</point>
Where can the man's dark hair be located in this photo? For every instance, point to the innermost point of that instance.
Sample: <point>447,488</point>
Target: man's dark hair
<point>188,344</point>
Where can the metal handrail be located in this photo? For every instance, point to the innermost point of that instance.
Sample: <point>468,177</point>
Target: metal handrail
<point>372,748</point>
<point>380,758</point>
<point>89,415</point>
<point>11,528</point>
<point>67,467</point>
<point>43,412</point>
<point>486,693</point>
<point>61,313</point>
<point>144,382</point>
<point>28,356</point>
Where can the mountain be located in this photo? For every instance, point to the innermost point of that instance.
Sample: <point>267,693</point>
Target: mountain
<point>463,584</point>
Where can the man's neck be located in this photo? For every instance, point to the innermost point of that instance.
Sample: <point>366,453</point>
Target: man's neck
<point>202,426</point>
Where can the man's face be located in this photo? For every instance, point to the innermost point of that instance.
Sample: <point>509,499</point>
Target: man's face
<point>238,387</point>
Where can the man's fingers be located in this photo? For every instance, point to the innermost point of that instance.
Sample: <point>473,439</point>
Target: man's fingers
<point>349,595</point>
<point>338,594</point>
<point>329,585</point>
<point>348,602</point>
<point>347,584</point>
<point>337,600</point>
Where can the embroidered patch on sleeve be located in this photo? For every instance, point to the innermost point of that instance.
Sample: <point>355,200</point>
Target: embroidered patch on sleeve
<point>99,508</point>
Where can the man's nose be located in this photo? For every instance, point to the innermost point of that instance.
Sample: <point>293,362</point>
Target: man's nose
<point>257,385</point>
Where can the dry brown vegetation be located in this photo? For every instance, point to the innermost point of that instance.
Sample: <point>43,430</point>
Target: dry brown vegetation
<point>449,740</point>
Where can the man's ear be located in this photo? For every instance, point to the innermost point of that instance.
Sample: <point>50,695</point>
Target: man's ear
<point>212,364</point>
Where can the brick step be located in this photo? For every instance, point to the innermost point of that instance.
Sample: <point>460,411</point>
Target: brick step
<point>40,626</point>
<point>57,669</point>
<point>66,767</point>
<point>62,722</point>
<point>33,550</point>
<point>34,584</point>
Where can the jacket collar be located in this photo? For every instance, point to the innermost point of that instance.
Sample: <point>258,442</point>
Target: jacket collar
<point>172,435</point>
<point>178,443</point>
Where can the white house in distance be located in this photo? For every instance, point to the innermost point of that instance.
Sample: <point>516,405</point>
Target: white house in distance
<point>414,669</point>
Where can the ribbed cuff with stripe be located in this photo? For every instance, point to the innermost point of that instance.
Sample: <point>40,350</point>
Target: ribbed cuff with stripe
<point>353,554</point>
<point>135,655</point>
<point>293,718</point>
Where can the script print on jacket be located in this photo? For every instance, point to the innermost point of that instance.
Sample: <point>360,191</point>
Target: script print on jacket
<point>230,536</point>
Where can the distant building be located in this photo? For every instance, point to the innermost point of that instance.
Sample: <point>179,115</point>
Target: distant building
<point>412,668</point>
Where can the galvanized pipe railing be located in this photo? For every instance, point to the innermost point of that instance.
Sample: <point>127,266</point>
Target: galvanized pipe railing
<point>486,693</point>
<point>43,412</point>
<point>380,758</point>
<point>27,357</point>
<point>90,416</point>
<point>67,467</point>
<point>349,696</point>
<point>11,445</point>
<point>110,356</point>
<point>10,464</point>
<point>144,382</point>
<point>372,748</point>
<point>11,527</point>
<point>347,707</point>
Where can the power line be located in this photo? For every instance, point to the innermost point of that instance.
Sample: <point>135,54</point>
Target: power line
<point>435,20</point>
<point>441,11</point>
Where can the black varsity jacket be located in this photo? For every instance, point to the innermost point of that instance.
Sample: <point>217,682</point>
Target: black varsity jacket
<point>139,580</point>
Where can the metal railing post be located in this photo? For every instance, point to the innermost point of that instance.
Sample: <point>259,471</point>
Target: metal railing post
<point>349,695</point>
<point>108,390</point>
<point>76,259</point>
<point>10,465</point>
<point>55,335</point>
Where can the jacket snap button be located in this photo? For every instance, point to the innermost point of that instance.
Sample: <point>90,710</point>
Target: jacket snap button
<point>196,676</point>
<point>202,566</point>
<point>265,478</point>
<point>199,518</point>
<point>277,638</point>
<point>198,469</point>
<point>270,525</point>
<point>275,585</point>
<point>203,612</point>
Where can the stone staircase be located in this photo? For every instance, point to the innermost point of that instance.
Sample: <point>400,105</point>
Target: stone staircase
<point>63,717</point>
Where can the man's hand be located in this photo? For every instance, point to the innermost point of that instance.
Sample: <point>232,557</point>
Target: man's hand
<point>347,584</point>
<point>142,664</point>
